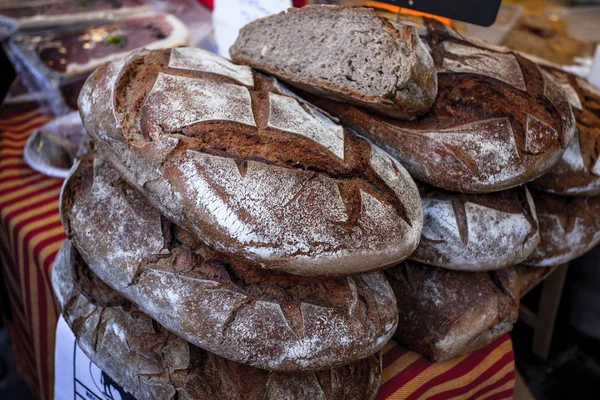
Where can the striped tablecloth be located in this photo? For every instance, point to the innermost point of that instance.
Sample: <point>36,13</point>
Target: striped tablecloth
<point>31,234</point>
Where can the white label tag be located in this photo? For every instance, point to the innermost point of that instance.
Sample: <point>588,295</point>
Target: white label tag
<point>229,16</point>
<point>76,376</point>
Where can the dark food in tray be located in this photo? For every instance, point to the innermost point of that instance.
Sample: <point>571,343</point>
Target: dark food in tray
<point>45,13</point>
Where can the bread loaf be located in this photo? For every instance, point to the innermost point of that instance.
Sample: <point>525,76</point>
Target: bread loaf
<point>347,54</point>
<point>152,363</point>
<point>247,314</point>
<point>228,155</point>
<point>578,172</point>
<point>530,277</point>
<point>569,228</point>
<point>445,314</point>
<point>476,232</point>
<point>498,120</point>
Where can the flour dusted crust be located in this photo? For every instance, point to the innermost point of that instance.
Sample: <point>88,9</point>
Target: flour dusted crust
<point>569,228</point>
<point>498,120</point>
<point>410,65</point>
<point>578,172</point>
<point>151,363</point>
<point>262,318</point>
<point>446,314</point>
<point>476,232</point>
<point>251,170</point>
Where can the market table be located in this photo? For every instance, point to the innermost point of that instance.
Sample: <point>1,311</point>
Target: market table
<point>31,234</point>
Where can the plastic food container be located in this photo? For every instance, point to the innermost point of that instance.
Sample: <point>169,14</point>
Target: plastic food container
<point>36,14</point>
<point>583,23</point>
<point>508,15</point>
<point>52,148</point>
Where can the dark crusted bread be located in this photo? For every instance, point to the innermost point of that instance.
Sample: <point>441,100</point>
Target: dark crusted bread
<point>530,277</point>
<point>152,363</point>
<point>498,120</point>
<point>347,54</point>
<point>578,172</point>
<point>228,155</point>
<point>569,228</point>
<point>263,318</point>
<point>445,314</point>
<point>476,232</point>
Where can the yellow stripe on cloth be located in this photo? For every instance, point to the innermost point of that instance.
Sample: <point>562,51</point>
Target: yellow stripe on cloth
<point>388,346</point>
<point>21,127</point>
<point>461,381</point>
<point>491,380</point>
<point>399,365</point>
<point>24,191</point>
<point>507,386</point>
<point>9,123</point>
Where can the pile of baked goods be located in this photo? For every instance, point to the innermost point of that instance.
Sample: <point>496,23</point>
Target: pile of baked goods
<point>231,237</point>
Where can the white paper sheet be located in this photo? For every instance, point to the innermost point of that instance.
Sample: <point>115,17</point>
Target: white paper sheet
<point>75,376</point>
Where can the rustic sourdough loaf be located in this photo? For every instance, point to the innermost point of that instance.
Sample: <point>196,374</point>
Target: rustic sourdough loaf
<point>348,54</point>
<point>152,363</point>
<point>569,228</point>
<point>476,232</point>
<point>498,120</point>
<point>578,172</point>
<point>262,318</point>
<point>445,314</point>
<point>230,156</point>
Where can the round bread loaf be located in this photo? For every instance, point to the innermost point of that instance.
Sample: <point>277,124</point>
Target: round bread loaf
<point>498,120</point>
<point>476,232</point>
<point>226,154</point>
<point>152,363</point>
<point>578,172</point>
<point>446,314</point>
<point>262,318</point>
<point>350,54</point>
<point>569,228</point>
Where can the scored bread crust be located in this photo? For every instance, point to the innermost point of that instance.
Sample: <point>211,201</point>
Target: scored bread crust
<point>416,84</point>
<point>498,121</point>
<point>578,172</point>
<point>151,363</point>
<point>476,232</point>
<point>446,314</point>
<point>569,228</point>
<point>238,161</point>
<point>257,317</point>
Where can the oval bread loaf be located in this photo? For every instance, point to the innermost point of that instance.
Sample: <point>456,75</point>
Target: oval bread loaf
<point>476,232</point>
<point>446,314</point>
<point>230,156</point>
<point>578,172</point>
<point>152,363</point>
<point>250,315</point>
<point>498,120</point>
<point>569,228</point>
<point>350,54</point>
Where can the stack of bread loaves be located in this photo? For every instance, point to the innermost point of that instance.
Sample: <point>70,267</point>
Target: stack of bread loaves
<point>238,217</point>
<point>227,237</point>
<point>498,122</point>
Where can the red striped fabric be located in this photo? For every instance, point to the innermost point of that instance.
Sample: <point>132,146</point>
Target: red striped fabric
<point>31,233</point>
